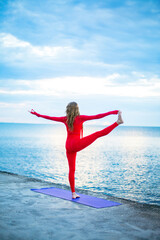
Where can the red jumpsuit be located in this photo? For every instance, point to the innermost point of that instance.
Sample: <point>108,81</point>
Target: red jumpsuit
<point>76,142</point>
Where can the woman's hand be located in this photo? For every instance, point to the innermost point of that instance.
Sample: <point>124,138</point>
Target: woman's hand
<point>33,112</point>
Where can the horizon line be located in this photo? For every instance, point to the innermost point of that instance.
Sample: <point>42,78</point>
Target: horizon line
<point>86,123</point>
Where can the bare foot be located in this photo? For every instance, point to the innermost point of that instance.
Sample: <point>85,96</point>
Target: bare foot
<point>75,195</point>
<point>120,120</point>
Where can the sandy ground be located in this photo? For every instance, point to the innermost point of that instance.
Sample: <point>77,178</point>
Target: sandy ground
<point>27,215</point>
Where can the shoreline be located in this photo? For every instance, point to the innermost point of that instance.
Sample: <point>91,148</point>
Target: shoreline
<point>83,191</point>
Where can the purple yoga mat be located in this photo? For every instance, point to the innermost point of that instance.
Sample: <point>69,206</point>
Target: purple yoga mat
<point>84,199</point>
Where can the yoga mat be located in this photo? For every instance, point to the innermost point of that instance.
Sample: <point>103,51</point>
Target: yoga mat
<point>84,199</point>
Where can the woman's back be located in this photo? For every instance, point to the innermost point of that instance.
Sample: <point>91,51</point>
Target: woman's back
<point>77,127</point>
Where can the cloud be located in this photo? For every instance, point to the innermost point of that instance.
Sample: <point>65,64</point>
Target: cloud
<point>6,105</point>
<point>52,60</point>
<point>111,85</point>
<point>17,52</point>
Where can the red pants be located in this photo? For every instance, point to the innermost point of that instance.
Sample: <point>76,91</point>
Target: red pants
<point>79,144</point>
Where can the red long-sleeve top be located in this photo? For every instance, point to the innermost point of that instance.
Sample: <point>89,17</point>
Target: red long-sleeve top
<point>78,122</point>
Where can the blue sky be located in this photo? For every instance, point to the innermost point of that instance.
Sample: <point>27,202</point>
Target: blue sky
<point>103,54</point>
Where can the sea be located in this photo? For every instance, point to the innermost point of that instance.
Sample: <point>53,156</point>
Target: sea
<point>123,164</point>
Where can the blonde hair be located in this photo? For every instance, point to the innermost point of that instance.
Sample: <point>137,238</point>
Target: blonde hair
<point>72,110</point>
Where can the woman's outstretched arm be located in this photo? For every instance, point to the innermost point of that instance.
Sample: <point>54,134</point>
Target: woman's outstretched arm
<point>57,119</point>
<point>98,116</point>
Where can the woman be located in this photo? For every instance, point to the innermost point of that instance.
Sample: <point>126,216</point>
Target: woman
<point>75,141</point>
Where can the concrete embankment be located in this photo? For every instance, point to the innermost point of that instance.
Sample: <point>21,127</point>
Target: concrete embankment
<point>27,215</point>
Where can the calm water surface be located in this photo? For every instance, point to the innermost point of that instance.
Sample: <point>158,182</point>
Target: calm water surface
<point>124,164</point>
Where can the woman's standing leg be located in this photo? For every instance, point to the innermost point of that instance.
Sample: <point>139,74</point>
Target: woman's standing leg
<point>71,156</point>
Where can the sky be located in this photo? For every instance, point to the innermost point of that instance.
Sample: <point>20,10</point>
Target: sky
<point>105,55</point>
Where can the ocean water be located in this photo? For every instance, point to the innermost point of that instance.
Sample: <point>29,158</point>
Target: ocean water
<point>124,164</point>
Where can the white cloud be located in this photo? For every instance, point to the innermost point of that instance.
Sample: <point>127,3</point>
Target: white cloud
<point>9,41</point>
<point>18,52</point>
<point>12,105</point>
<point>111,85</point>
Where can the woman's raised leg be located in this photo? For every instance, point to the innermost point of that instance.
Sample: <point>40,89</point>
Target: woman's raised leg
<point>86,141</point>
